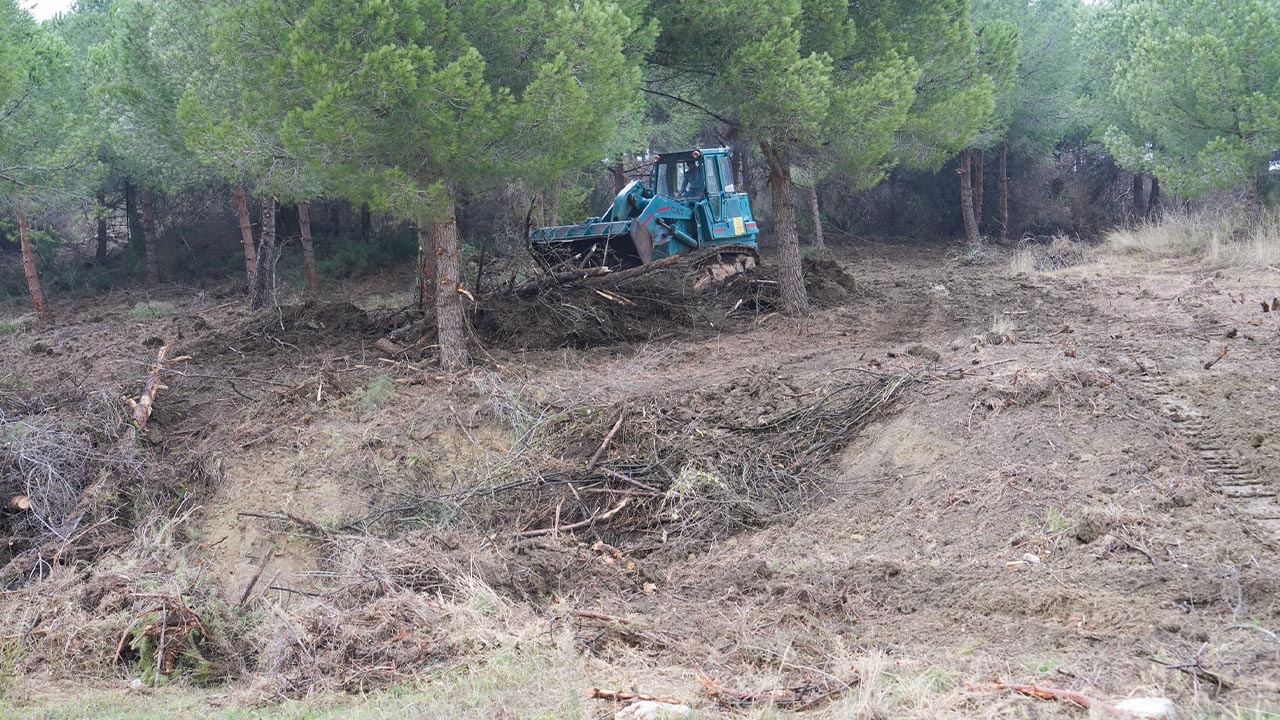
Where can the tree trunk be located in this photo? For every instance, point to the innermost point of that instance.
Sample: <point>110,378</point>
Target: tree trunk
<point>818,239</point>
<point>131,215</point>
<point>966,199</point>
<point>1153,198</point>
<point>795,300</point>
<point>1002,180</point>
<point>335,220</point>
<point>149,239</point>
<point>366,223</point>
<point>426,271</point>
<point>1254,196</point>
<point>308,251</point>
<point>101,255</point>
<point>1139,197</point>
<point>29,267</point>
<point>739,167</point>
<point>619,177</point>
<point>977,168</point>
<point>246,235</point>
<point>450,325</point>
<point>264,279</point>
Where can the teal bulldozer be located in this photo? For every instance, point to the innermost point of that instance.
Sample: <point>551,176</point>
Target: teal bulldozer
<point>689,208</point>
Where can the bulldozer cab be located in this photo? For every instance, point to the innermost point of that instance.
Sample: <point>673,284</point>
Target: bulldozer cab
<point>679,177</point>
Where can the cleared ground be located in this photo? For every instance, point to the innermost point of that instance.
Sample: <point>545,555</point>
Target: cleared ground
<point>1074,483</point>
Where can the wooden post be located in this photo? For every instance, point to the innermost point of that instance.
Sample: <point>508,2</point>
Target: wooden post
<point>246,234</point>
<point>308,251</point>
<point>29,267</point>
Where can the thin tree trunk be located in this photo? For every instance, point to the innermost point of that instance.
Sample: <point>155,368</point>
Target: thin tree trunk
<point>29,267</point>
<point>978,166</point>
<point>131,215</point>
<point>308,251</point>
<point>1139,197</point>
<point>966,199</point>
<point>795,300</point>
<point>739,166</point>
<point>1253,197</point>
<point>366,223</point>
<point>149,239</point>
<point>1153,198</point>
<point>1002,181</point>
<point>101,255</point>
<point>246,235</point>
<point>423,284</point>
<point>818,239</point>
<point>450,325</point>
<point>335,220</point>
<point>264,271</point>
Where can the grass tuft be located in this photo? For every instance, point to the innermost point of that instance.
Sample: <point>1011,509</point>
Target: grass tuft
<point>1217,238</point>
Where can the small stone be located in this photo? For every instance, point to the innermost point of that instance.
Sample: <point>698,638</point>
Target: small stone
<point>1031,558</point>
<point>1091,527</point>
<point>1150,707</point>
<point>653,710</point>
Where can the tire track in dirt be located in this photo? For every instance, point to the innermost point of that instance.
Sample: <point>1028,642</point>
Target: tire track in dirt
<point>1253,495</point>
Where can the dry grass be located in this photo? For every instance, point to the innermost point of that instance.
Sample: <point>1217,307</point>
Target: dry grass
<point>1217,238</point>
<point>1061,252</point>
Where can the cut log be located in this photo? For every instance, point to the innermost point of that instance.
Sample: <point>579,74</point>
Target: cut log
<point>143,406</point>
<point>387,346</point>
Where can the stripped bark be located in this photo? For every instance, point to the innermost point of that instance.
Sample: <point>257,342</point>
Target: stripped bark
<point>451,329</point>
<point>263,273</point>
<point>246,235</point>
<point>29,267</point>
<point>149,240</point>
<point>308,250</point>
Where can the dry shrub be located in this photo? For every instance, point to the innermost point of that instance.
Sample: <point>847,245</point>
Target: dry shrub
<point>1215,237</point>
<point>1060,252</point>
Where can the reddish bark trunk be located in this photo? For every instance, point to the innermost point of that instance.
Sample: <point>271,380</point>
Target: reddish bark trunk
<point>795,299</point>
<point>308,250</point>
<point>246,235</point>
<point>450,324</point>
<point>1253,197</point>
<point>150,240</point>
<point>423,284</point>
<point>29,267</point>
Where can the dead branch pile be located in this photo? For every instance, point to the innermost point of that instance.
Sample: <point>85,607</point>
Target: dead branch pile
<point>621,307</point>
<point>741,454</point>
<point>75,462</point>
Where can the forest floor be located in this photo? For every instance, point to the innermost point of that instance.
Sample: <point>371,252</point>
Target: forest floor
<point>1074,484</point>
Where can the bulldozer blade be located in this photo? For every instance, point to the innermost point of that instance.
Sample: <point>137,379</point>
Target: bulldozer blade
<point>614,251</point>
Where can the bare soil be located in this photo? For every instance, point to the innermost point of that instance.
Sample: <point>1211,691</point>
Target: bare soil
<point>1062,494</point>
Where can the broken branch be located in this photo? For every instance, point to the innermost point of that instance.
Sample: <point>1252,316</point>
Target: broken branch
<point>1060,695</point>
<point>625,696</point>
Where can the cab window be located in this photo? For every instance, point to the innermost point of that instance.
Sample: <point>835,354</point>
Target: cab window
<point>681,178</point>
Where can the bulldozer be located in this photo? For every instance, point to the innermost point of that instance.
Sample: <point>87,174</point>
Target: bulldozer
<point>689,209</point>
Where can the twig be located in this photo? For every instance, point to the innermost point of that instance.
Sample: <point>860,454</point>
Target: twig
<point>580,524</point>
<point>1048,693</point>
<point>244,596</point>
<point>608,438</point>
<point>625,696</point>
<point>1209,365</point>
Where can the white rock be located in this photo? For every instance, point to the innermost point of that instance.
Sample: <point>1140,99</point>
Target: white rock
<point>1150,707</point>
<point>652,710</point>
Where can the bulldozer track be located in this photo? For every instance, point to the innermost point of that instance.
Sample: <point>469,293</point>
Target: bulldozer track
<point>1254,496</point>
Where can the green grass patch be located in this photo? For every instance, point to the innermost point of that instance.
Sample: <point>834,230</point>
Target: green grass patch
<point>151,310</point>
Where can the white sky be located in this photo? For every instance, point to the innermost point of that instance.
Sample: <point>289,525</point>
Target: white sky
<point>45,9</point>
